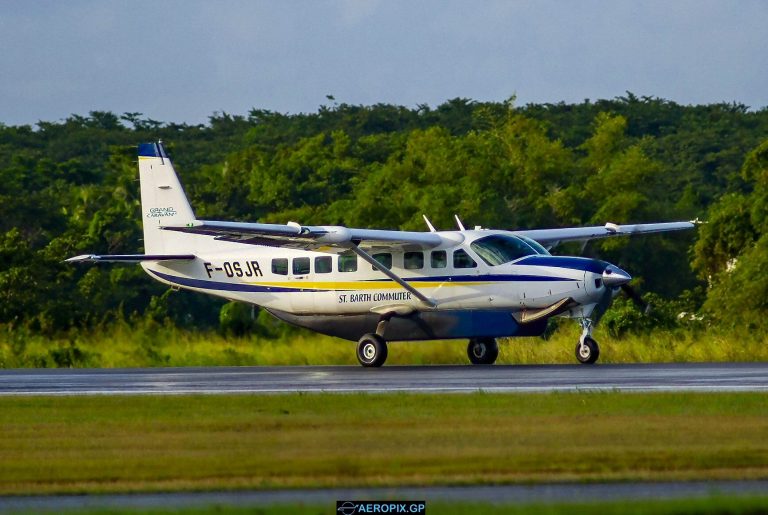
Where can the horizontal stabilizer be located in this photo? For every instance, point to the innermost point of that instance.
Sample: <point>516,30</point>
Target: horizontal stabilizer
<point>127,258</point>
<point>528,316</point>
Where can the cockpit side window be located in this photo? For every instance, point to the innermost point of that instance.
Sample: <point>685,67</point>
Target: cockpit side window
<point>498,249</point>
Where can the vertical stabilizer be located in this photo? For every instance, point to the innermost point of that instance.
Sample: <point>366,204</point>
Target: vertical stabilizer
<point>163,201</point>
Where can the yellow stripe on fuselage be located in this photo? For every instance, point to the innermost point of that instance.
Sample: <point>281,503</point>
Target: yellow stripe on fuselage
<point>362,285</point>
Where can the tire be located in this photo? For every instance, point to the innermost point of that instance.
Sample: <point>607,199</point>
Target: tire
<point>371,350</point>
<point>590,352</point>
<point>483,351</point>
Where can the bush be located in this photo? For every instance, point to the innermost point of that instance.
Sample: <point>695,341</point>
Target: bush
<point>237,319</point>
<point>624,316</point>
<point>71,356</point>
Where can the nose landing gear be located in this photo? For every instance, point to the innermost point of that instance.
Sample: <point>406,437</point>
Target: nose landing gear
<point>587,350</point>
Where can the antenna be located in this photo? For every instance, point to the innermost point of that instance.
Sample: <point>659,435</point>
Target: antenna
<point>458,222</point>
<point>429,224</point>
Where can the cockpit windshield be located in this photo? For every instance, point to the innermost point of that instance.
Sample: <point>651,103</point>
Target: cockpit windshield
<point>498,249</point>
<point>536,245</point>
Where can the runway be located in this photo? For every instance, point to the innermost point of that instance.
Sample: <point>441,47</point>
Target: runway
<point>701,377</point>
<point>496,494</point>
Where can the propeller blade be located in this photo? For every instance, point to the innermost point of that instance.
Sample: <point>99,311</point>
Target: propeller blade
<point>636,298</point>
<point>602,306</point>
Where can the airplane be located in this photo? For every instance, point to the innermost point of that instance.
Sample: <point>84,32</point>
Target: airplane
<point>373,286</point>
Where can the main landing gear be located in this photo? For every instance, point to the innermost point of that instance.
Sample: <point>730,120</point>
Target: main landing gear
<point>587,350</point>
<point>371,350</point>
<point>483,351</point>
<point>372,347</point>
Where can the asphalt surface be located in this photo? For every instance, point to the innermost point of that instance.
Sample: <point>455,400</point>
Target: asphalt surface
<point>497,494</point>
<point>703,377</point>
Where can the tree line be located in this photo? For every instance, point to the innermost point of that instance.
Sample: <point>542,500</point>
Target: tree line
<point>70,187</point>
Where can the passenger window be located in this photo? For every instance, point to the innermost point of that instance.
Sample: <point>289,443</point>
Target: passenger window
<point>385,258</point>
<point>301,266</point>
<point>280,266</point>
<point>323,265</point>
<point>439,259</point>
<point>462,260</point>
<point>413,260</point>
<point>347,263</point>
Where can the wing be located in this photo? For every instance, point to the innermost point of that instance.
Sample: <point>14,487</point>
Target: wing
<point>336,238</point>
<point>307,237</point>
<point>552,237</point>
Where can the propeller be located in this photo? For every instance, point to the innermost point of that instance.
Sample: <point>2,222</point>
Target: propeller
<point>614,278</point>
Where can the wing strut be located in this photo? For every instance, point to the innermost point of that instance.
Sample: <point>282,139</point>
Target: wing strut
<point>389,273</point>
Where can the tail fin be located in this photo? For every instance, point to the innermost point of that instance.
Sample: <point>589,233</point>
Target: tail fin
<point>163,201</point>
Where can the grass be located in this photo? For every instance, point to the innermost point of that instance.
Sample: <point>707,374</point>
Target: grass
<point>125,444</point>
<point>125,345</point>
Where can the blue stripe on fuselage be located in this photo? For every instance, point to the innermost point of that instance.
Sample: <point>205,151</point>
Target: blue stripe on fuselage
<point>484,278</point>
<point>218,285</point>
<point>255,288</point>
<point>573,263</point>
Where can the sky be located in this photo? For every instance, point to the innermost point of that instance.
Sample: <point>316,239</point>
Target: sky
<point>182,61</point>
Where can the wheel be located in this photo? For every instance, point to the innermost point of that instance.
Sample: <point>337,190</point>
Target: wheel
<point>588,353</point>
<point>371,350</point>
<point>483,351</point>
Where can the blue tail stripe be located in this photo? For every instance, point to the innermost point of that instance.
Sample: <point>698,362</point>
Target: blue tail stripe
<point>148,150</point>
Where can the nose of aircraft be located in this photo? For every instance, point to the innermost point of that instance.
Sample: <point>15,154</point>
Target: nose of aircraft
<point>614,276</point>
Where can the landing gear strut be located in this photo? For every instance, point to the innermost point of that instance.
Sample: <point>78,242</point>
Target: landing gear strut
<point>483,351</point>
<point>587,350</point>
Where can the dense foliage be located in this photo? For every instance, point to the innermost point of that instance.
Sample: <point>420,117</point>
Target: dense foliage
<point>70,187</point>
